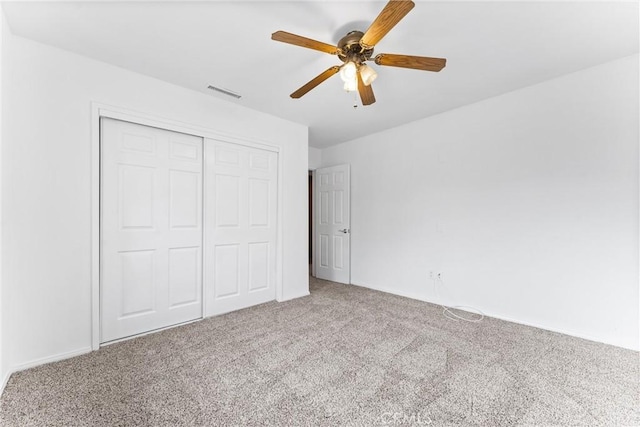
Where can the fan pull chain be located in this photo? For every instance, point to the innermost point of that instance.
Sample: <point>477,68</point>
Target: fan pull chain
<point>355,99</point>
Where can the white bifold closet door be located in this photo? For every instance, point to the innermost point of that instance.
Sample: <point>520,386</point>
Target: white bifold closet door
<point>240,224</point>
<point>151,229</point>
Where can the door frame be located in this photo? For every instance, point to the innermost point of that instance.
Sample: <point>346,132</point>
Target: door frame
<point>99,110</point>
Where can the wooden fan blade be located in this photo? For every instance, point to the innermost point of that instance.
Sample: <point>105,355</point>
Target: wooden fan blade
<point>392,13</point>
<point>366,92</point>
<point>407,61</point>
<point>315,82</point>
<point>283,36</point>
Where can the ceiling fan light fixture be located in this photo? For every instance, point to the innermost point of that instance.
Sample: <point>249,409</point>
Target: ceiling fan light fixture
<point>355,48</point>
<point>368,74</point>
<point>348,72</point>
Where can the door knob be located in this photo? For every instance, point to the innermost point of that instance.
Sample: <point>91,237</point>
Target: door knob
<point>344,230</point>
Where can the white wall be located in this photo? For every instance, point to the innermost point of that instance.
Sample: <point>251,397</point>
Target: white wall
<point>526,202</point>
<point>315,158</point>
<point>3,370</point>
<point>46,173</point>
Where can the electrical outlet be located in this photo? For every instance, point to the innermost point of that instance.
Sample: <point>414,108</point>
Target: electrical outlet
<point>439,276</point>
<point>432,275</point>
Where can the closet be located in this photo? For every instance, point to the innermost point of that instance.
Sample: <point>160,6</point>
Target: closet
<point>187,228</point>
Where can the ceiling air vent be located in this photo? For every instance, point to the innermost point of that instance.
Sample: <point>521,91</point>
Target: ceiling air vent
<point>225,91</point>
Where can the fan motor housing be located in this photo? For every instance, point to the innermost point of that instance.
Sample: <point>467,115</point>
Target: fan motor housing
<point>349,48</point>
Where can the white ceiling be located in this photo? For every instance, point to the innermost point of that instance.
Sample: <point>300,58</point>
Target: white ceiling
<point>491,48</point>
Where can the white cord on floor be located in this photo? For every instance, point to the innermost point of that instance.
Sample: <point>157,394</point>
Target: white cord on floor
<point>475,314</point>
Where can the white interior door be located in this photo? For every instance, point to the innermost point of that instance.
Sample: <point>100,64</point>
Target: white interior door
<point>332,224</point>
<point>151,229</point>
<point>241,226</point>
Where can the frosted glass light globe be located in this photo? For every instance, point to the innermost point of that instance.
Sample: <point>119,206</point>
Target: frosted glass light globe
<point>348,71</point>
<point>368,74</point>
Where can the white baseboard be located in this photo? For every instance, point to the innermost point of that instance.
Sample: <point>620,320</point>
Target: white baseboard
<point>5,380</point>
<point>411,295</point>
<point>50,359</point>
<point>501,317</point>
<point>41,361</point>
<point>564,332</point>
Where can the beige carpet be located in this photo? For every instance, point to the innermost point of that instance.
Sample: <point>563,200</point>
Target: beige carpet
<point>342,356</point>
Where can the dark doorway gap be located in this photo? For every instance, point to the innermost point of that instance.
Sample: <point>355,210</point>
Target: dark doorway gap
<point>310,217</point>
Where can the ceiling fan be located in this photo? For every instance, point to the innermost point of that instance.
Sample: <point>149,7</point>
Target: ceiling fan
<point>356,48</point>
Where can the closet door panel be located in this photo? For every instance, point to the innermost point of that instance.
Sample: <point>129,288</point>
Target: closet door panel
<point>151,229</point>
<point>241,209</point>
